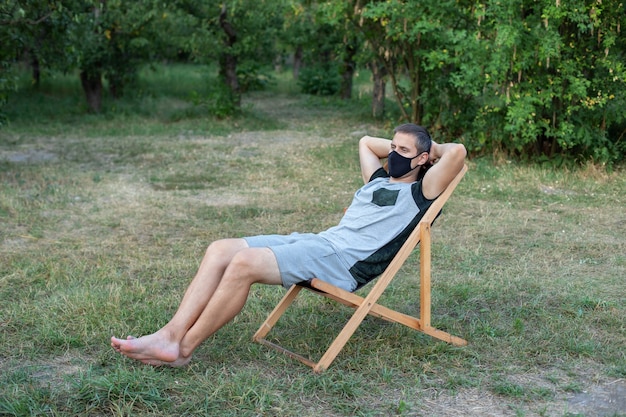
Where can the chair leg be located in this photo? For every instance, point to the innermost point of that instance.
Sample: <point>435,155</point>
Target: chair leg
<point>425,291</point>
<point>361,312</point>
<point>425,257</point>
<point>276,313</point>
<point>342,338</point>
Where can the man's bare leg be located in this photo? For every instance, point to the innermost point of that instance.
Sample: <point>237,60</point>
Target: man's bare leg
<point>163,345</point>
<point>257,265</point>
<point>248,267</point>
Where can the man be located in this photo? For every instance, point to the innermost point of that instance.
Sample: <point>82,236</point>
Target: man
<point>379,220</point>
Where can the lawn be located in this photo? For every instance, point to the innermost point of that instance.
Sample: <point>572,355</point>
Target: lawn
<point>104,219</point>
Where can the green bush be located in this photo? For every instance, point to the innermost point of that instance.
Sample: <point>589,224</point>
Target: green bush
<point>218,102</point>
<point>539,80</point>
<point>319,81</point>
<point>252,77</point>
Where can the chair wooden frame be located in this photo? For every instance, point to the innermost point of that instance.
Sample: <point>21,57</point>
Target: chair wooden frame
<point>368,305</point>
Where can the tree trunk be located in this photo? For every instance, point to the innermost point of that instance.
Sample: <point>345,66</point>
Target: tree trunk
<point>114,89</point>
<point>297,62</point>
<point>347,70</point>
<point>92,86</point>
<point>36,70</point>
<point>378,94</point>
<point>228,72</point>
<point>117,84</point>
<point>228,61</point>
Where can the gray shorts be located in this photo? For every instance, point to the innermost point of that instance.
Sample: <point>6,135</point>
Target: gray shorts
<point>304,256</point>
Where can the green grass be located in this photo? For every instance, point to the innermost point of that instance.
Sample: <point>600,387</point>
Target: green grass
<point>104,219</point>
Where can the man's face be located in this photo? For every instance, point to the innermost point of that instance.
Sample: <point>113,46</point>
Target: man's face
<point>404,144</point>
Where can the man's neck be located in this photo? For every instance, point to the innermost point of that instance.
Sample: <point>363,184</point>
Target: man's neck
<point>408,179</point>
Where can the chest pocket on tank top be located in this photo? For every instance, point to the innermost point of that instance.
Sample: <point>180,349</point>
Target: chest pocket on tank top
<point>385,197</point>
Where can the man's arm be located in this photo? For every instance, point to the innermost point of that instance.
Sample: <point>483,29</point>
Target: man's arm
<point>448,160</point>
<point>371,151</point>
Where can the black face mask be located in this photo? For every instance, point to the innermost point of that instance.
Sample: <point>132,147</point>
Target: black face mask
<point>399,165</point>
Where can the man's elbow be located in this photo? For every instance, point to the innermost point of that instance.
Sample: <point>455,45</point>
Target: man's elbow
<point>364,140</point>
<point>456,156</point>
<point>367,145</point>
<point>460,151</point>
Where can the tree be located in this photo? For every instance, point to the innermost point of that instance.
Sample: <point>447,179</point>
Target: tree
<point>298,30</point>
<point>313,31</point>
<point>31,33</point>
<point>111,38</point>
<point>25,28</point>
<point>9,16</point>
<point>418,44</point>
<point>541,79</point>
<point>340,16</point>
<point>239,35</point>
<point>555,80</point>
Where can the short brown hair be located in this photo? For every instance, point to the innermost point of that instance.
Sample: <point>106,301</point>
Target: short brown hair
<point>422,138</point>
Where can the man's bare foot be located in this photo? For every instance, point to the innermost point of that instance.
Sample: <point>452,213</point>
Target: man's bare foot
<point>116,345</point>
<point>178,363</point>
<point>155,348</point>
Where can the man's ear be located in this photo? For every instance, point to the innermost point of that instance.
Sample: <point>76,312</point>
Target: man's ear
<point>423,158</point>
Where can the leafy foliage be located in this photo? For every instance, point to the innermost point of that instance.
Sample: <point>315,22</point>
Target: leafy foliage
<point>252,77</point>
<point>238,35</point>
<point>532,79</point>
<point>542,80</point>
<point>319,80</point>
<point>555,76</point>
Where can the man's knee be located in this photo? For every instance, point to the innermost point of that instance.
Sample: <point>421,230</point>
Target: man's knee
<point>244,260</point>
<point>225,249</point>
<point>254,265</point>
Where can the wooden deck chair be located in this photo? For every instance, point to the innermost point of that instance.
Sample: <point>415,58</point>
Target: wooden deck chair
<point>368,304</point>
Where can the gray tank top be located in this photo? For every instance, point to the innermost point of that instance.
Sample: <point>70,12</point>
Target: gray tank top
<point>380,218</point>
